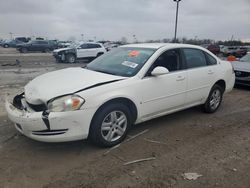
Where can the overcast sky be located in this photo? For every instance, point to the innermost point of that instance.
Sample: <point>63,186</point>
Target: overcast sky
<point>113,19</point>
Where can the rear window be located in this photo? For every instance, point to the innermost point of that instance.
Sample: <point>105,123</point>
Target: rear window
<point>210,59</point>
<point>195,58</point>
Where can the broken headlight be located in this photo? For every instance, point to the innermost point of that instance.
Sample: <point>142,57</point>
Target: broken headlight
<point>66,103</point>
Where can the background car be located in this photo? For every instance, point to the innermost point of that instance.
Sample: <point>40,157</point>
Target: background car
<point>89,50</point>
<point>64,44</point>
<point>11,43</point>
<point>236,51</point>
<point>242,70</point>
<point>35,46</point>
<point>215,49</point>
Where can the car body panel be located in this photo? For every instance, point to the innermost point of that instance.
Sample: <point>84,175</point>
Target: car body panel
<point>37,91</point>
<point>242,72</point>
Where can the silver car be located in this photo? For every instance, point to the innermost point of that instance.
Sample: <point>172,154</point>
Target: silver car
<point>242,70</point>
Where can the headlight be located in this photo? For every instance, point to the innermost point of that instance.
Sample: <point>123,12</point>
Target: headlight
<point>67,103</point>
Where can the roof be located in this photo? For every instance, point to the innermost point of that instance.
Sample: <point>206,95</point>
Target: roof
<point>160,45</point>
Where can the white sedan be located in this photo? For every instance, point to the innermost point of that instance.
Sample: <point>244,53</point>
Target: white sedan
<point>126,86</point>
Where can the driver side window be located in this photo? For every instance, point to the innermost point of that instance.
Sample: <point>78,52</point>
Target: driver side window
<point>170,59</point>
<point>84,46</point>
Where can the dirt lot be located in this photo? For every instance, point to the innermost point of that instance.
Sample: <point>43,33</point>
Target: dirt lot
<point>217,146</point>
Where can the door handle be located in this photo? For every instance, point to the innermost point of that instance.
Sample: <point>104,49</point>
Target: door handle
<point>180,78</point>
<point>210,72</point>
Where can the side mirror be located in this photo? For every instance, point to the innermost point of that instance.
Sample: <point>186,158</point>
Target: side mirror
<point>158,71</point>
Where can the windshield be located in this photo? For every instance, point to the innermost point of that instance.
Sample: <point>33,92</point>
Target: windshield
<point>246,58</point>
<point>74,45</point>
<point>122,61</point>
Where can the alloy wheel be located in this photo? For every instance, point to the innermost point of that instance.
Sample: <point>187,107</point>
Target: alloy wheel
<point>215,99</point>
<point>114,126</point>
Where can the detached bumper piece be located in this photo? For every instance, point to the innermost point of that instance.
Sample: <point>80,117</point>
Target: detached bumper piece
<point>50,132</point>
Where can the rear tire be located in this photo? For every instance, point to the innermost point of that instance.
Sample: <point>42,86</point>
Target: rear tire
<point>110,125</point>
<point>70,58</point>
<point>24,50</point>
<point>214,99</point>
<point>6,46</point>
<point>47,50</point>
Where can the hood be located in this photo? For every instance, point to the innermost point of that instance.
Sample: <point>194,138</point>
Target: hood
<point>63,82</point>
<point>241,66</point>
<point>62,49</point>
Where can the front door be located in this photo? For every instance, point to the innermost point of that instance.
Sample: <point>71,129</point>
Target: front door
<point>166,92</point>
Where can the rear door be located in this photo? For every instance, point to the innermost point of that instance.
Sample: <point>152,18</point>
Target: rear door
<point>94,49</point>
<point>200,73</point>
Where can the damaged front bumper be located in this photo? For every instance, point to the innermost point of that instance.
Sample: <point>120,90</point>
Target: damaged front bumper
<point>51,127</point>
<point>59,57</point>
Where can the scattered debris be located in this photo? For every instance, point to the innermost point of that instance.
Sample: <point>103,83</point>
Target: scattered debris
<point>18,63</point>
<point>107,152</point>
<point>139,134</point>
<point>139,160</point>
<point>10,138</point>
<point>154,141</point>
<point>234,169</point>
<point>191,176</point>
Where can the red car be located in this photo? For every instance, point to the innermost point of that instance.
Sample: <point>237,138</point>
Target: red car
<point>215,49</point>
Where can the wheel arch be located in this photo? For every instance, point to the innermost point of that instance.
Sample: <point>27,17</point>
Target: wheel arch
<point>99,53</point>
<point>222,84</point>
<point>124,100</point>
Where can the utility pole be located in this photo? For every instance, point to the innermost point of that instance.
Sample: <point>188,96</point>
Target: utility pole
<point>176,19</point>
<point>11,35</point>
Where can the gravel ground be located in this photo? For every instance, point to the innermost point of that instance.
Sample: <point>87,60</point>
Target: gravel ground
<point>216,146</point>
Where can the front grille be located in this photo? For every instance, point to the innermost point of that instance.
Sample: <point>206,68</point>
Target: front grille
<point>50,132</point>
<point>17,101</point>
<point>244,82</point>
<point>242,74</point>
<point>38,107</point>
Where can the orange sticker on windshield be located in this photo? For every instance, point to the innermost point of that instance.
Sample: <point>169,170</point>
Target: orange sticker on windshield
<point>133,53</point>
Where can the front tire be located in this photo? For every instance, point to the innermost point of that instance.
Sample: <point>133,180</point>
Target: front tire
<point>110,125</point>
<point>47,50</point>
<point>71,58</point>
<point>214,99</point>
<point>24,50</point>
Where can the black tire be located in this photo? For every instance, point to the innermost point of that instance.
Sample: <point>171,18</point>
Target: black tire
<point>6,46</point>
<point>214,99</point>
<point>24,50</point>
<point>96,133</point>
<point>70,58</point>
<point>99,54</point>
<point>47,50</point>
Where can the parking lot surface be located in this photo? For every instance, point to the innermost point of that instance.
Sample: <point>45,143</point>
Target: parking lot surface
<point>216,146</point>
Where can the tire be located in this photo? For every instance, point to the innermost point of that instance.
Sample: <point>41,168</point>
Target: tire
<point>6,46</point>
<point>70,58</point>
<point>214,99</point>
<point>47,50</point>
<point>106,132</point>
<point>24,50</point>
